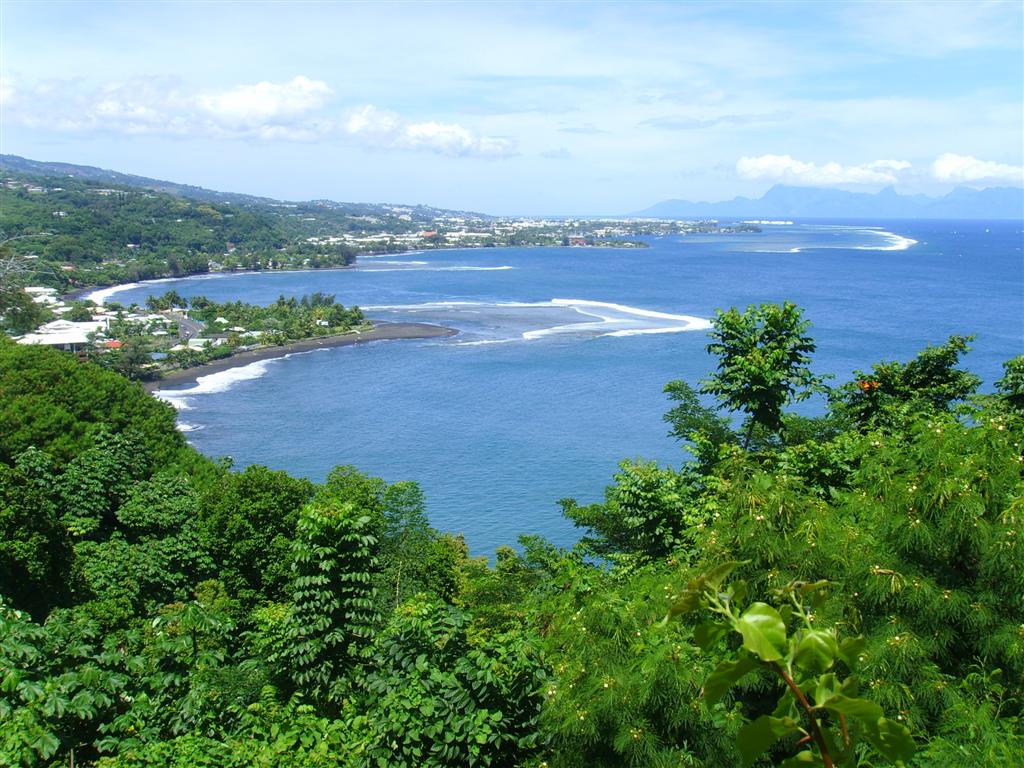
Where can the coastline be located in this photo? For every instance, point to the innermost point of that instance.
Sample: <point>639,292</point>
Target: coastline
<point>380,332</point>
<point>84,291</point>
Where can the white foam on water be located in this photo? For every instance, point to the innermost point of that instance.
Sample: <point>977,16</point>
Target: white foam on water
<point>612,319</point>
<point>482,342</point>
<point>213,383</point>
<point>183,427</point>
<point>894,242</point>
<point>619,320</point>
<point>101,295</point>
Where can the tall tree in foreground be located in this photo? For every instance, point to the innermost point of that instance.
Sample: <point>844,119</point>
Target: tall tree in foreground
<point>763,357</point>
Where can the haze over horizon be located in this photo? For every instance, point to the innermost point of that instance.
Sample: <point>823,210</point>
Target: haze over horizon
<point>521,109</point>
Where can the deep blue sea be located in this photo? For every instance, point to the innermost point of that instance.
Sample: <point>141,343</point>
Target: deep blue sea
<point>558,371</point>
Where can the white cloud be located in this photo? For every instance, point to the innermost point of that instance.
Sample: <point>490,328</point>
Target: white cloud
<point>961,169</point>
<point>265,102</point>
<point>786,169</point>
<point>387,130</point>
<point>295,110</point>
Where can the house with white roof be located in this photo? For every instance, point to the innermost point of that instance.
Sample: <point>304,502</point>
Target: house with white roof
<point>64,334</point>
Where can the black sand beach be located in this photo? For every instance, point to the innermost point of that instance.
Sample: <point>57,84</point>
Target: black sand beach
<point>380,332</point>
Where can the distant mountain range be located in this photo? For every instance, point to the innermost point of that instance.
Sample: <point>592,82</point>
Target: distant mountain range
<point>783,202</point>
<point>779,202</point>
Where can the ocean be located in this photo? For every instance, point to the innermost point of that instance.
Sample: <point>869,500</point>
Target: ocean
<point>558,370</point>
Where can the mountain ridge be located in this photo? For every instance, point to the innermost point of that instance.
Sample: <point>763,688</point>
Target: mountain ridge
<point>782,201</point>
<point>18,164</point>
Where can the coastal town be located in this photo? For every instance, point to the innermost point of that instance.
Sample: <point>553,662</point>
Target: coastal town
<point>75,230</point>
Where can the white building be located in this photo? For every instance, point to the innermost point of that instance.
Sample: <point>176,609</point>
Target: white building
<point>64,334</point>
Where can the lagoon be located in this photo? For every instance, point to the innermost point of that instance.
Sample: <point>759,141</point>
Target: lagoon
<point>558,369</point>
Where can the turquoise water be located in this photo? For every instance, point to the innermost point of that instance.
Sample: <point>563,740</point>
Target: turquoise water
<point>558,371</point>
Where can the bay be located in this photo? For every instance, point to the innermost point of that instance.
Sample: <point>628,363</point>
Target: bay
<point>558,370</point>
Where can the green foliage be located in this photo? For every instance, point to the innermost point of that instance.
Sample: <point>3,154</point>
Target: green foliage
<point>414,558</point>
<point>287,319</point>
<point>1011,386</point>
<point>34,550</point>
<point>818,706</point>
<point>649,512</point>
<point>763,362</point>
<point>931,381</point>
<point>625,687</point>
<point>692,422</point>
<point>248,522</point>
<point>114,234</point>
<point>51,401</point>
<point>57,682</point>
<point>334,599</point>
<point>433,699</point>
<point>342,630</point>
<point>18,312</point>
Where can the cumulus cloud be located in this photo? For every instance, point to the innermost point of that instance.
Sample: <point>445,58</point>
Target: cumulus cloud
<point>791,171</point>
<point>387,130</point>
<point>297,110</point>
<point>265,102</point>
<point>965,169</point>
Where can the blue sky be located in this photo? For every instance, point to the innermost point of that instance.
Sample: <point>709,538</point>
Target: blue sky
<point>520,108</point>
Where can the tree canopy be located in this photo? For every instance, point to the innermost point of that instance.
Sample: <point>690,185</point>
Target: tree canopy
<point>838,591</point>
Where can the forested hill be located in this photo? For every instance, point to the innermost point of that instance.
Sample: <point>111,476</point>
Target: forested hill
<point>846,590</point>
<point>16,164</point>
<point>104,177</point>
<point>80,230</point>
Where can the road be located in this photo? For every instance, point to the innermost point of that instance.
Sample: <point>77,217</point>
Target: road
<point>187,328</point>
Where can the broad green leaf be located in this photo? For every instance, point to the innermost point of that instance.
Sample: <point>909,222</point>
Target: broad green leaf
<point>709,633</point>
<point>720,573</point>
<point>754,738</point>
<point>892,740</point>
<point>825,688</point>
<point>850,649</point>
<point>687,603</point>
<point>816,651</point>
<point>724,677</point>
<point>866,711</point>
<point>763,632</point>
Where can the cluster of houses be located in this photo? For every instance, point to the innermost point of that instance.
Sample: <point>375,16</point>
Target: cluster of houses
<point>75,335</point>
<point>78,335</point>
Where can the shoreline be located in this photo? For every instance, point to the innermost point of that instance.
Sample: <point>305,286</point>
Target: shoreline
<point>82,292</point>
<point>380,332</point>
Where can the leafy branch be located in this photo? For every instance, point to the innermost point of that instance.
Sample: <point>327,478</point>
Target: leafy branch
<point>819,706</point>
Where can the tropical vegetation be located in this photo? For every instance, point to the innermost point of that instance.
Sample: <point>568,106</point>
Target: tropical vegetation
<point>840,590</point>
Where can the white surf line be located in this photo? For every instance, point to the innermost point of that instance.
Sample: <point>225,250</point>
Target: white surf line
<point>100,295</point>
<point>222,381</point>
<point>590,308</point>
<point>895,242</point>
<point>214,383</point>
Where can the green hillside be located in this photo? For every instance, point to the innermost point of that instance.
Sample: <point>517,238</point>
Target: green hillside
<point>845,590</point>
